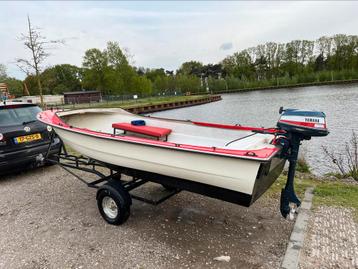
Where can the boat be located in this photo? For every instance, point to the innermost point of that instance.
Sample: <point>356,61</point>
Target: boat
<point>230,162</point>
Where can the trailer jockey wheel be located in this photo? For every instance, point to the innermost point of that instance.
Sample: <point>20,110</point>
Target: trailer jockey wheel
<point>114,202</point>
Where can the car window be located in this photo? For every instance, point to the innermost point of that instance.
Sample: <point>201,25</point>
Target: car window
<point>18,115</point>
<point>5,117</point>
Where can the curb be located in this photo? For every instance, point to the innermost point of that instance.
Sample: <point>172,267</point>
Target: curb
<point>292,255</point>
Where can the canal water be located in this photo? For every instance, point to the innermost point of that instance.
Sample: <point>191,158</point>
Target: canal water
<point>260,108</point>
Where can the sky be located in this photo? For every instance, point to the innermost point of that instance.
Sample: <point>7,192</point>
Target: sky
<point>168,33</point>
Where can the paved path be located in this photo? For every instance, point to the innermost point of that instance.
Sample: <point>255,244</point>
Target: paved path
<point>332,240</point>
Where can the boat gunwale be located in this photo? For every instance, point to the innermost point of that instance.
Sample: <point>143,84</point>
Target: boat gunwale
<point>48,117</point>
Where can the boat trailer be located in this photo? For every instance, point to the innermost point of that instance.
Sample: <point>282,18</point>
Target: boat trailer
<point>113,192</point>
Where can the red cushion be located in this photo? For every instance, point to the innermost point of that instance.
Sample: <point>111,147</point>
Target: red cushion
<point>147,130</point>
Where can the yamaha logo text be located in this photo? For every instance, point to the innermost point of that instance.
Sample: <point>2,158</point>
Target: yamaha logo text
<point>311,120</point>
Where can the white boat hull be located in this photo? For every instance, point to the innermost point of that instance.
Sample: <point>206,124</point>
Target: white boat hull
<point>235,174</point>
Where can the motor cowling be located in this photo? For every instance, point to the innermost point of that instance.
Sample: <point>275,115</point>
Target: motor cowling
<point>307,123</point>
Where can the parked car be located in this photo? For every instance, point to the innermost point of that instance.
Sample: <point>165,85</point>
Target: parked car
<point>24,140</point>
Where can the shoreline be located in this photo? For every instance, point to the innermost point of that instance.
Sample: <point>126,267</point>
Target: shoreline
<point>150,105</point>
<point>308,84</point>
<point>143,109</point>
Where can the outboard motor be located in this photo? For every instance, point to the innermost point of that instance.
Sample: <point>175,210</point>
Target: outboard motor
<point>298,125</point>
<point>307,123</point>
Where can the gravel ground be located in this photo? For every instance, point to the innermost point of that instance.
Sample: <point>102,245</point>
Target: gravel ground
<point>49,219</point>
<point>331,240</point>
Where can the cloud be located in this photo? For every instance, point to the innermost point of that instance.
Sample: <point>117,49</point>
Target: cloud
<point>226,46</point>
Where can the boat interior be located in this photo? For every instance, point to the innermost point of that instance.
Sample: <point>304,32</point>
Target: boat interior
<point>122,123</point>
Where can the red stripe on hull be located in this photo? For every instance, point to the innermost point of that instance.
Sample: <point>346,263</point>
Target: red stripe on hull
<point>50,117</point>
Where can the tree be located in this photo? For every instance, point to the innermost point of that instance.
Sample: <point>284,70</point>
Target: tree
<point>187,83</point>
<point>153,74</point>
<point>61,78</point>
<point>211,70</point>
<point>31,83</point>
<point>110,72</point>
<point>143,85</point>
<point>271,51</point>
<point>95,63</point>
<point>190,68</point>
<point>244,65</point>
<point>279,59</point>
<point>116,57</point>
<point>38,46</point>
<point>229,64</point>
<point>14,85</point>
<point>298,61</point>
<point>319,64</point>
<point>306,52</point>
<point>324,45</point>
<point>3,74</point>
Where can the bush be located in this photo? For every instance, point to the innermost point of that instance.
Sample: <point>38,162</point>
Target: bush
<point>217,85</point>
<point>233,83</point>
<point>346,161</point>
<point>302,166</point>
<point>324,76</point>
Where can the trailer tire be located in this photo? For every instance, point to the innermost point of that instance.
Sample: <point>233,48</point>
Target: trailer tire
<point>114,202</point>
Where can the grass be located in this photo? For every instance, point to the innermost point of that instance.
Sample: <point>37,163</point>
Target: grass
<point>302,166</point>
<point>136,103</point>
<point>338,194</point>
<point>328,193</point>
<point>300,186</point>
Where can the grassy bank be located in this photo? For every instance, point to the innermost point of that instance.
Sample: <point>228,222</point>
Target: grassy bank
<point>329,193</point>
<point>136,103</point>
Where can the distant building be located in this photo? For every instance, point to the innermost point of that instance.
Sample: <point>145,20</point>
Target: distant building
<point>82,97</point>
<point>4,91</point>
<point>48,99</point>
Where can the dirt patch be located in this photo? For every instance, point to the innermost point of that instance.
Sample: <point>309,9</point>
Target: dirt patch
<point>49,219</point>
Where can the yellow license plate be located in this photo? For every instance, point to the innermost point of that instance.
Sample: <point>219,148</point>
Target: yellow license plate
<point>27,138</point>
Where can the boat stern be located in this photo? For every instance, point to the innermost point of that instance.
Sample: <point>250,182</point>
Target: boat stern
<point>266,176</point>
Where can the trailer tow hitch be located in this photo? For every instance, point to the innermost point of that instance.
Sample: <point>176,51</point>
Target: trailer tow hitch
<point>288,195</point>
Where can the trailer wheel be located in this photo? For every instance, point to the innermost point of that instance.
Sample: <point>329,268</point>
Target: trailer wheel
<point>114,202</point>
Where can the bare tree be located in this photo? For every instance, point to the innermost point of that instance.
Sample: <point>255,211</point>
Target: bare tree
<point>346,161</point>
<point>38,45</point>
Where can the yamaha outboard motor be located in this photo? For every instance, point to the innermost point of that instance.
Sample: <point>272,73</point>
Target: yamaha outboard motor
<point>307,123</point>
<point>298,125</point>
